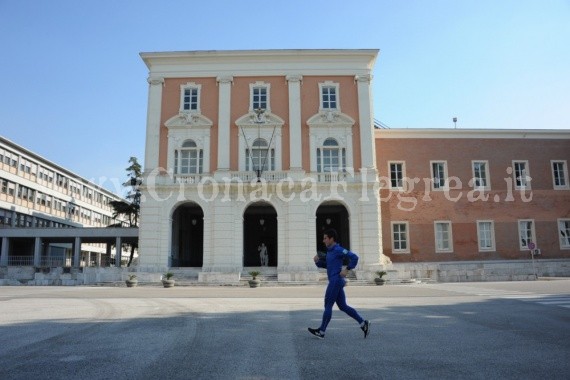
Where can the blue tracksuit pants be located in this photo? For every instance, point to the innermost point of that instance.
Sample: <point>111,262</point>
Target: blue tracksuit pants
<point>335,294</point>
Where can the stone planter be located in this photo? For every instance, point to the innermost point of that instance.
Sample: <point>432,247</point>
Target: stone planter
<point>379,281</point>
<point>254,283</point>
<point>132,283</point>
<point>168,283</point>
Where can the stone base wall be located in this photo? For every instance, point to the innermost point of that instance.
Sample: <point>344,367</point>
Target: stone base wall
<point>468,271</point>
<point>471,271</point>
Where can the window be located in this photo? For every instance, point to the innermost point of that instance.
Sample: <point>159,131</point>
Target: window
<point>260,157</point>
<point>480,175</point>
<point>560,174</point>
<point>329,96</point>
<point>486,235</point>
<point>439,174</point>
<point>259,96</point>
<point>564,228</point>
<point>190,97</point>
<point>443,236</point>
<point>188,159</point>
<point>396,175</point>
<point>400,239</point>
<point>521,175</point>
<point>526,233</point>
<point>331,157</point>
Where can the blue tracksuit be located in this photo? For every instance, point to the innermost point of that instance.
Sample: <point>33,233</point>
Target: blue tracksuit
<point>335,288</point>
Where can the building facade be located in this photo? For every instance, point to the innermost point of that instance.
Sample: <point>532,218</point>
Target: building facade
<point>36,193</point>
<point>246,148</point>
<point>254,152</point>
<point>474,195</point>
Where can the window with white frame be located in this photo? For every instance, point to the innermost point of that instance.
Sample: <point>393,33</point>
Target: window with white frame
<point>329,96</point>
<point>443,236</point>
<point>396,175</point>
<point>259,156</point>
<point>526,233</point>
<point>564,230</point>
<point>521,175</point>
<point>188,159</point>
<point>331,158</point>
<point>400,237</point>
<point>190,97</point>
<point>486,235</point>
<point>560,174</point>
<point>259,96</point>
<point>439,174</point>
<point>480,175</point>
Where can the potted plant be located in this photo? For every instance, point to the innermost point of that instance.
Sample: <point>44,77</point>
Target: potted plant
<point>254,282</point>
<point>168,281</point>
<point>132,281</point>
<point>379,280</point>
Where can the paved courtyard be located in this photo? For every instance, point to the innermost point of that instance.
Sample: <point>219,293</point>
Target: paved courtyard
<point>514,330</point>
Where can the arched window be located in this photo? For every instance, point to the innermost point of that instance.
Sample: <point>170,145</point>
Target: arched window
<point>188,159</point>
<point>259,154</point>
<point>331,157</point>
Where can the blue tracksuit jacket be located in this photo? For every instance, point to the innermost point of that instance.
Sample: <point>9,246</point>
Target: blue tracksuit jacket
<point>334,259</point>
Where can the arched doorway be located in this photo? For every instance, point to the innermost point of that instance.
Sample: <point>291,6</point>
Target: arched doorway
<point>333,215</point>
<point>187,236</point>
<point>259,230</point>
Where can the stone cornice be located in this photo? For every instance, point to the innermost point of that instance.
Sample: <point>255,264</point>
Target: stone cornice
<point>186,119</point>
<point>420,133</point>
<point>349,62</point>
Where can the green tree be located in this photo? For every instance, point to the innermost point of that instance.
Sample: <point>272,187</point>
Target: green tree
<point>128,210</point>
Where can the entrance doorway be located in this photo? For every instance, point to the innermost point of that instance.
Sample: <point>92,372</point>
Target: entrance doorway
<point>333,215</point>
<point>260,236</point>
<point>187,236</point>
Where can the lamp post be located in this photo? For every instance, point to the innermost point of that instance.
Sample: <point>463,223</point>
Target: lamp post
<point>259,119</point>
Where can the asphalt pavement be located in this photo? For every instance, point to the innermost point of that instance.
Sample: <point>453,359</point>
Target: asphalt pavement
<point>506,330</point>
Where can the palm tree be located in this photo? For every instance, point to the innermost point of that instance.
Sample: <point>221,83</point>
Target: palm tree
<point>130,207</point>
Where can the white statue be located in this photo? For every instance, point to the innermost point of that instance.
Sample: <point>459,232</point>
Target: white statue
<point>263,255</point>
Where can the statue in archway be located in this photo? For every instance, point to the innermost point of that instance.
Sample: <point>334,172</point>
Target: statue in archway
<point>263,255</point>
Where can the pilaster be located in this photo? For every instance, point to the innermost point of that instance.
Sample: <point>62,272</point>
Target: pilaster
<point>367,151</point>
<point>153,123</point>
<point>224,107</point>
<point>295,152</point>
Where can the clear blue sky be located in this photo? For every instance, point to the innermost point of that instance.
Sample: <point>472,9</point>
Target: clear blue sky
<point>73,87</point>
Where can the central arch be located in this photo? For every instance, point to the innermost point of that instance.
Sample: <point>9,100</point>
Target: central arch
<point>259,227</point>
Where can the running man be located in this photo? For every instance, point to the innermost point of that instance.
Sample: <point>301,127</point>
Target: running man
<point>335,289</point>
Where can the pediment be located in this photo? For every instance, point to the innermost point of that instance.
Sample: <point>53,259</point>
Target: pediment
<point>188,120</point>
<point>330,118</point>
<point>251,120</point>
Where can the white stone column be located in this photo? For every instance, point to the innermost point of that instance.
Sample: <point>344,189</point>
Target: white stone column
<point>295,151</point>
<point>77,252</point>
<point>118,251</point>
<point>224,108</point>
<point>4,252</point>
<point>365,115</point>
<point>153,123</point>
<point>37,252</point>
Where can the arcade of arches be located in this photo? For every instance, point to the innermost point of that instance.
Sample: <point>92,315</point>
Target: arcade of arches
<point>259,233</point>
